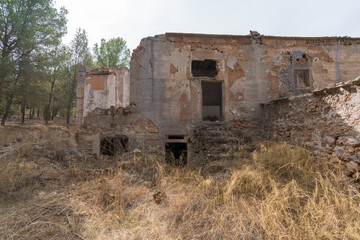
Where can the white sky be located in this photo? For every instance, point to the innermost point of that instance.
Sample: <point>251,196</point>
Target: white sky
<point>136,19</point>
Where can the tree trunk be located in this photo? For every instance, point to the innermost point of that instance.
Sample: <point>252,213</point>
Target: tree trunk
<point>9,102</point>
<point>2,79</point>
<point>23,110</point>
<point>1,86</point>
<point>68,110</point>
<point>31,114</point>
<point>54,113</point>
<point>47,115</point>
<point>38,112</point>
<point>7,109</point>
<point>71,97</point>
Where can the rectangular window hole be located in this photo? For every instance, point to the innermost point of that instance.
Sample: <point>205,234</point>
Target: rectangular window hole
<point>206,68</point>
<point>174,137</point>
<point>176,153</point>
<point>111,145</point>
<point>301,77</point>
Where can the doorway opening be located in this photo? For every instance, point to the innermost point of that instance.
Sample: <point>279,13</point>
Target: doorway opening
<point>110,145</point>
<point>176,153</point>
<point>211,101</point>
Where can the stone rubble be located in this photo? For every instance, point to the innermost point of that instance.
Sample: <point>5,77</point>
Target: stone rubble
<point>326,120</point>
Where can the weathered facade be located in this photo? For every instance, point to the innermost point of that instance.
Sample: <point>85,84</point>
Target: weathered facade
<point>183,86</point>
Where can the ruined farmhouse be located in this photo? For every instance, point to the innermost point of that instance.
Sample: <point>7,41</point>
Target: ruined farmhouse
<point>198,94</point>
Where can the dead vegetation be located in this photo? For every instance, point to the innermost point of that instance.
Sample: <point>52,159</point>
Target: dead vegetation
<point>280,192</point>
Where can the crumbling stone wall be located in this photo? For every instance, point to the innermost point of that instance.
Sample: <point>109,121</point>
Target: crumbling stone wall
<point>101,88</point>
<point>252,70</point>
<point>100,123</point>
<point>162,99</point>
<point>326,120</point>
<point>104,109</point>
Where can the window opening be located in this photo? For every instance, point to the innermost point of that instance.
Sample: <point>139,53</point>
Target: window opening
<point>110,145</point>
<point>206,68</point>
<point>176,137</point>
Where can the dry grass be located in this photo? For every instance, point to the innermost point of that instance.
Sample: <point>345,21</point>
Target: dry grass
<point>280,192</point>
<point>284,194</point>
<point>16,179</point>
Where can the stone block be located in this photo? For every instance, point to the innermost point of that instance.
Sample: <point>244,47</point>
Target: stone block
<point>348,140</point>
<point>352,167</point>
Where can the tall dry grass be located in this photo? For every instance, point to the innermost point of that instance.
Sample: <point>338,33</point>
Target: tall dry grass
<point>33,202</point>
<point>29,158</point>
<point>282,192</point>
<point>16,179</point>
<point>279,192</point>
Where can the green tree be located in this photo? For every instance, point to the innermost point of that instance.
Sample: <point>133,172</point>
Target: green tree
<point>17,89</point>
<point>54,79</point>
<point>80,56</point>
<point>26,27</point>
<point>112,53</point>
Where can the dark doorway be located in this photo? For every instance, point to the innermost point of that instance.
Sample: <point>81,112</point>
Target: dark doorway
<point>176,153</point>
<point>211,101</point>
<point>110,145</point>
<point>206,68</point>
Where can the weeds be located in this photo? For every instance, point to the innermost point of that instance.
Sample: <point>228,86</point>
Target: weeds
<point>279,192</point>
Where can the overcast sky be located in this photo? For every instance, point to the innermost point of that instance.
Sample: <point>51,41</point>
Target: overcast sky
<point>136,19</point>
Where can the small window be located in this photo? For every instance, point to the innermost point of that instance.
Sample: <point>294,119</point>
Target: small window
<point>110,145</point>
<point>206,68</point>
<point>176,153</point>
<point>176,137</point>
<point>301,78</point>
